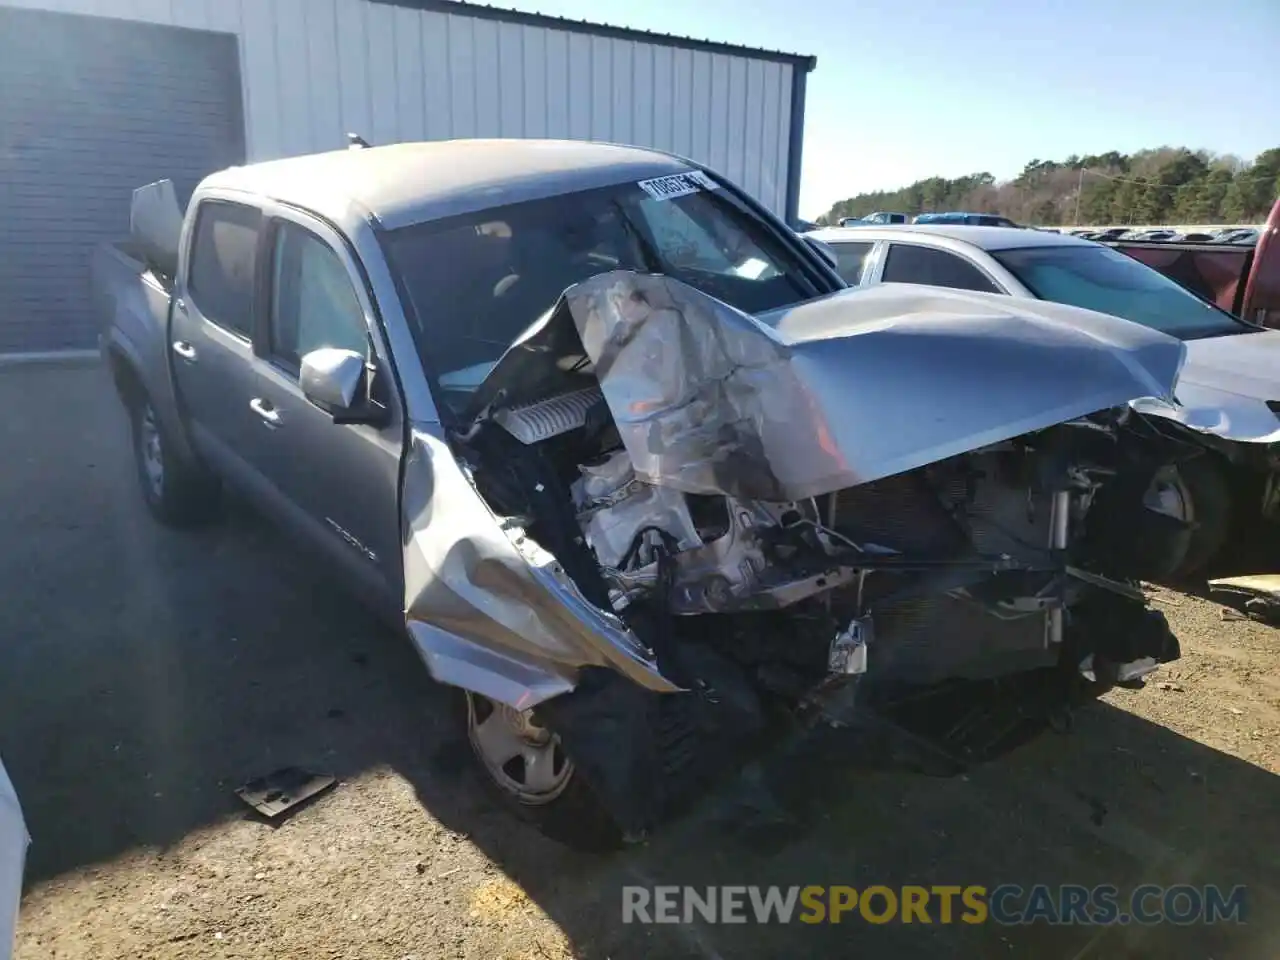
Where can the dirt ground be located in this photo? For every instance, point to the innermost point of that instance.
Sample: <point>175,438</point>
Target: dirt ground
<point>144,674</point>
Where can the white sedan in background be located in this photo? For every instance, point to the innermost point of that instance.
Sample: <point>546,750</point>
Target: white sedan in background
<point>1229,390</point>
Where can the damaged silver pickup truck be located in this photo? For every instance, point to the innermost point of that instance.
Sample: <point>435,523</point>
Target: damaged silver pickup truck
<point>640,477</point>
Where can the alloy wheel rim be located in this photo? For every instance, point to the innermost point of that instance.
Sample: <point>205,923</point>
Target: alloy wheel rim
<point>1169,495</point>
<point>151,449</point>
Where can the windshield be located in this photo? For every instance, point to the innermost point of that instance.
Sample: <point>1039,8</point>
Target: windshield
<point>474,283</point>
<point>1105,280</point>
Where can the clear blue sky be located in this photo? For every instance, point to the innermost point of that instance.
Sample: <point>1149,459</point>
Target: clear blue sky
<point>907,89</point>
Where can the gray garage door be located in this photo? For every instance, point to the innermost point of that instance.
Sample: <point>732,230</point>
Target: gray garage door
<point>89,109</point>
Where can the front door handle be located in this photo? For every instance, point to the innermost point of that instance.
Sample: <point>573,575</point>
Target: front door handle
<point>263,408</point>
<point>185,350</point>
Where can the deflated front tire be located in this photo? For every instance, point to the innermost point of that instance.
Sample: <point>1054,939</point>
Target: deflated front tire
<point>524,763</point>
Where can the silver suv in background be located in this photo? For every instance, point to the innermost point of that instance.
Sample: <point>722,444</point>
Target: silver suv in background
<point>1228,392</point>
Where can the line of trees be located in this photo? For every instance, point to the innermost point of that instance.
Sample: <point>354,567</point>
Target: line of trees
<point>1164,185</point>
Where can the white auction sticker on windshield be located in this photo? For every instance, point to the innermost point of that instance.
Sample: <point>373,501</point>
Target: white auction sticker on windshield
<point>677,185</point>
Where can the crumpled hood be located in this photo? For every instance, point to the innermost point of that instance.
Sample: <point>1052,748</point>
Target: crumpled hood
<point>832,393</point>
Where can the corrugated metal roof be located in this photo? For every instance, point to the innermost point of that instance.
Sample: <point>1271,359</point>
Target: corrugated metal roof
<point>507,15</point>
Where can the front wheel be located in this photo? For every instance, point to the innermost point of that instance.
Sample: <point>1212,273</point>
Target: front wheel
<point>1197,492</point>
<point>525,763</point>
<point>176,492</point>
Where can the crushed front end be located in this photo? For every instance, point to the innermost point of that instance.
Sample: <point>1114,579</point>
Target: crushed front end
<point>800,516</point>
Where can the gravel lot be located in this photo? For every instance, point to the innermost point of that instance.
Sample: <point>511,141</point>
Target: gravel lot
<point>144,674</point>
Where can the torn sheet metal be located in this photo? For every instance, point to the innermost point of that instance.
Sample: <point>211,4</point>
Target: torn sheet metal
<point>490,610</point>
<point>838,391</point>
<point>13,853</point>
<point>283,789</point>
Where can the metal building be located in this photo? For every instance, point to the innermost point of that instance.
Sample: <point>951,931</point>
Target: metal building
<point>100,96</point>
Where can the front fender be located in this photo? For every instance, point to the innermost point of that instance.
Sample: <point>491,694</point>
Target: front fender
<point>488,608</point>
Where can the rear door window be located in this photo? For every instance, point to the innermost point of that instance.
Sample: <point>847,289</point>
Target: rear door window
<point>221,278</point>
<point>909,263</point>
<point>851,261</point>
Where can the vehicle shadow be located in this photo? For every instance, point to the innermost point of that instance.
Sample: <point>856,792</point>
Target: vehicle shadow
<point>146,673</point>
<point>1117,801</point>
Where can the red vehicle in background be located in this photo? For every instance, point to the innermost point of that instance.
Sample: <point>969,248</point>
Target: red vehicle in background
<point>1244,280</point>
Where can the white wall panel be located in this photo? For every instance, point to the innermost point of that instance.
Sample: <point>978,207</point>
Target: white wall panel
<point>460,36</point>
<point>261,84</point>
<point>718,110</point>
<point>642,103</point>
<point>380,55</point>
<point>511,79</point>
<point>559,95</point>
<point>324,82</point>
<point>683,110</point>
<point>292,74</point>
<point>534,79</point>
<point>222,15</point>
<point>622,80</point>
<point>601,60</point>
<point>411,85</point>
<point>754,110</point>
<point>485,78</point>
<point>311,70</point>
<point>581,85</point>
<point>700,110</point>
<point>436,74</point>
<point>663,80</point>
<point>780,146</point>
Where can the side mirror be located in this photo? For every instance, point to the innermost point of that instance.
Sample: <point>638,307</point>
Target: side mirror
<point>824,250</point>
<point>334,380</point>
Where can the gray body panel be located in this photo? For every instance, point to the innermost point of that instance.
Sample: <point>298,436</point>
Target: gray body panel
<point>132,308</point>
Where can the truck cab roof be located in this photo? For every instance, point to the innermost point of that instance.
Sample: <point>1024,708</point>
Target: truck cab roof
<point>407,183</point>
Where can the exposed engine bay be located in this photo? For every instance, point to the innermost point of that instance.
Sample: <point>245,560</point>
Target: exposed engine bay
<point>1018,555</point>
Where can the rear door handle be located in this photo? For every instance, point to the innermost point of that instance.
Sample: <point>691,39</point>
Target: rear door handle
<point>185,350</point>
<point>263,408</point>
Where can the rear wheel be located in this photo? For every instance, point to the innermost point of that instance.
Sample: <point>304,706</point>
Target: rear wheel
<point>176,492</point>
<point>525,763</point>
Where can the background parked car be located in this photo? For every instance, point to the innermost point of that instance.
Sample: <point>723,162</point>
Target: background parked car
<point>1150,235</point>
<point>877,218</point>
<point>1230,385</point>
<point>1238,235</point>
<point>971,219</point>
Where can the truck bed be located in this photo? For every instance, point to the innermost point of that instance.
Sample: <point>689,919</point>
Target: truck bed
<point>1217,272</point>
